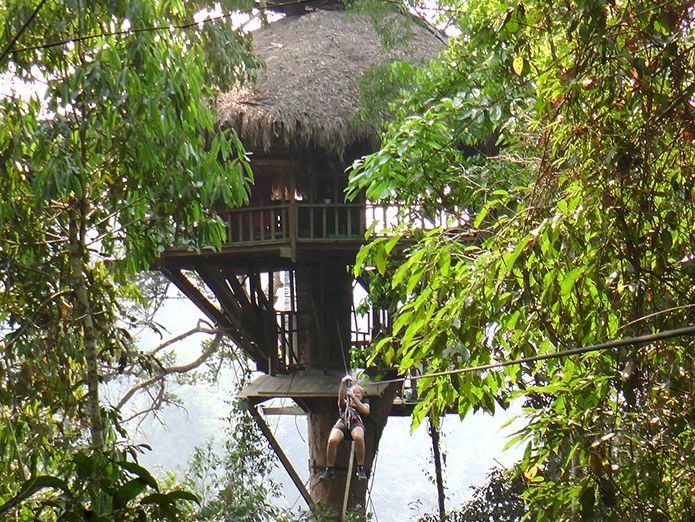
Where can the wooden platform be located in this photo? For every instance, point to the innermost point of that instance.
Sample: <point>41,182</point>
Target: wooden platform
<point>311,384</point>
<point>305,384</point>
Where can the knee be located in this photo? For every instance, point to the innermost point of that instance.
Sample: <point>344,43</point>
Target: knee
<point>335,437</point>
<point>358,435</point>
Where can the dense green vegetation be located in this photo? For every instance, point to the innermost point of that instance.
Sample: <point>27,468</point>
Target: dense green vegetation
<point>564,132</point>
<point>113,158</point>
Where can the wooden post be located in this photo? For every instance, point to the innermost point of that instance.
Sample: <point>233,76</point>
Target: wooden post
<point>293,227</point>
<point>265,429</point>
<point>348,479</point>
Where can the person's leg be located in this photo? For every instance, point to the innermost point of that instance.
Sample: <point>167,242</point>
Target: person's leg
<point>334,439</point>
<point>357,434</point>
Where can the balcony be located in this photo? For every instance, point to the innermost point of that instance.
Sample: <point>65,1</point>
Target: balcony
<point>310,222</point>
<point>295,222</point>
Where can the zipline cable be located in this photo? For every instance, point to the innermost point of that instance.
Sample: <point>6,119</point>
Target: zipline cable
<point>642,339</point>
<point>16,37</point>
<point>72,39</point>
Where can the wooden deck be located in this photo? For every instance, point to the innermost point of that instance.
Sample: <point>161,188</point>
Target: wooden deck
<point>284,232</point>
<point>238,293</point>
<point>305,385</point>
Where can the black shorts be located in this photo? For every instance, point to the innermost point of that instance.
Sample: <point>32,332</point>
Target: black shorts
<point>354,423</point>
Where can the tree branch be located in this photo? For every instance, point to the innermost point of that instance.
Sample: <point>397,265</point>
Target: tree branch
<point>184,368</point>
<point>198,329</point>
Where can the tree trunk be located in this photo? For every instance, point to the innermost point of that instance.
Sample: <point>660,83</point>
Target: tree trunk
<point>439,474</point>
<point>322,417</point>
<point>324,303</point>
<point>79,284</point>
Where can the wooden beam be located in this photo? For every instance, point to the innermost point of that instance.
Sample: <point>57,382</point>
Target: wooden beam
<point>283,410</point>
<point>283,164</point>
<point>256,286</point>
<point>226,321</point>
<point>348,480</point>
<point>195,295</point>
<point>265,429</point>
<point>234,311</point>
<point>218,284</point>
<point>239,291</point>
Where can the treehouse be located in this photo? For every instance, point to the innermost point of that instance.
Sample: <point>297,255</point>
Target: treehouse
<point>281,285</point>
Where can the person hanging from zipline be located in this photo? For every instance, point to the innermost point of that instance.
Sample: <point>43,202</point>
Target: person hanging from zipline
<point>352,404</point>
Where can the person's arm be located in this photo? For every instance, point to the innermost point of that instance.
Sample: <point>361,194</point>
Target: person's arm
<point>342,398</point>
<point>361,407</point>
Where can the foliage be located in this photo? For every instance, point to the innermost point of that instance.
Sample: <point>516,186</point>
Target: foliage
<point>102,488</point>
<point>235,484</point>
<point>563,133</point>
<point>499,500</point>
<point>112,159</point>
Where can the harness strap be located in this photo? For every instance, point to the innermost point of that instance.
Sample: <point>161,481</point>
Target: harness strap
<point>346,417</point>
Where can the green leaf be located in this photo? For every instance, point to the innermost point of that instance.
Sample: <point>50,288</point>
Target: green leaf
<point>381,257</point>
<point>156,498</point>
<point>509,259</point>
<point>179,494</point>
<point>141,472</point>
<point>569,280</point>
<point>127,492</point>
<point>32,486</point>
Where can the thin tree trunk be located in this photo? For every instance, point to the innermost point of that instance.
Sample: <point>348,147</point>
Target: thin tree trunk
<point>78,212</point>
<point>439,475</point>
<point>79,283</point>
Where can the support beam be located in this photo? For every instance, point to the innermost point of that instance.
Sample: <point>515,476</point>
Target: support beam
<point>218,284</point>
<point>195,295</point>
<point>226,321</point>
<point>348,480</point>
<point>265,429</point>
<point>239,291</point>
<point>263,300</point>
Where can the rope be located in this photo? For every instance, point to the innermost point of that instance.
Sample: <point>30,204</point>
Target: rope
<point>345,414</point>
<point>371,485</point>
<point>642,339</point>
<point>342,347</point>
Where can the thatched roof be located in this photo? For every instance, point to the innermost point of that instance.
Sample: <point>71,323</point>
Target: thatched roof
<point>305,98</point>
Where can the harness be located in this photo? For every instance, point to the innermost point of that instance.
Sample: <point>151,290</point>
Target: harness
<point>347,415</point>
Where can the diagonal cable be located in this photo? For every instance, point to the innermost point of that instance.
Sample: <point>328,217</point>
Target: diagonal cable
<point>24,27</point>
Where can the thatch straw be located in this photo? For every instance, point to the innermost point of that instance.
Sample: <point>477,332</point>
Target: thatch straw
<point>305,98</point>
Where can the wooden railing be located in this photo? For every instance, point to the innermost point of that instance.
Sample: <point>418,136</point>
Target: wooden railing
<point>330,221</point>
<point>253,224</point>
<point>288,352</point>
<point>384,219</point>
<point>296,221</point>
